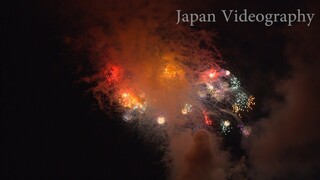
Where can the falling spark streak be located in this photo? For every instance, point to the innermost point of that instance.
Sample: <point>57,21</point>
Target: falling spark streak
<point>236,117</point>
<point>235,83</point>
<point>250,103</point>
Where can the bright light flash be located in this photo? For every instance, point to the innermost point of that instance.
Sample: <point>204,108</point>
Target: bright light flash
<point>161,120</point>
<point>211,75</point>
<point>225,126</point>
<point>226,123</point>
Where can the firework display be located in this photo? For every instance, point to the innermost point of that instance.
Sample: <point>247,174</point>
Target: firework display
<point>216,96</point>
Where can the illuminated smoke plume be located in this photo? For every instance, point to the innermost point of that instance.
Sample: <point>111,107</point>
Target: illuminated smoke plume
<point>286,144</point>
<point>201,158</point>
<point>167,77</point>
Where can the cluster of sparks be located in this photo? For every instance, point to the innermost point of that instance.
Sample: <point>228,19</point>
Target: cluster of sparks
<point>225,126</point>
<point>219,98</point>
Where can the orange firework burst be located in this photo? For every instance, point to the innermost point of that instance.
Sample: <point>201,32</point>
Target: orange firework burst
<point>172,71</point>
<point>113,73</point>
<point>129,100</point>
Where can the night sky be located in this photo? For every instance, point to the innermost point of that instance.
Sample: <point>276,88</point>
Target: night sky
<point>52,127</point>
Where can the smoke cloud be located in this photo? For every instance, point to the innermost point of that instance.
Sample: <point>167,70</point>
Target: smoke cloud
<point>286,144</point>
<point>198,156</point>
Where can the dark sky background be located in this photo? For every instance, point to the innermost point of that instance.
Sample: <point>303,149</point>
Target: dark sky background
<point>52,128</point>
